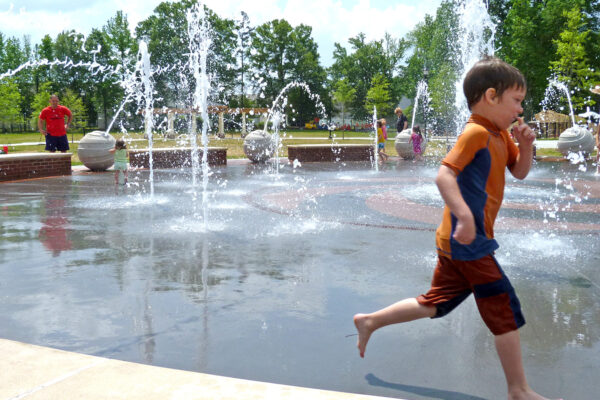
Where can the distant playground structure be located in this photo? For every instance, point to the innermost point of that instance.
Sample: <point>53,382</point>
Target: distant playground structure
<point>172,112</point>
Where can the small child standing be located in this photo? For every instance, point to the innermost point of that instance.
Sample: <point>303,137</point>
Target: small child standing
<point>384,128</point>
<point>121,160</point>
<point>381,142</point>
<point>471,181</point>
<point>416,138</point>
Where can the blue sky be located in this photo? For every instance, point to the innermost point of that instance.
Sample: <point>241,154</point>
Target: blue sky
<point>332,20</point>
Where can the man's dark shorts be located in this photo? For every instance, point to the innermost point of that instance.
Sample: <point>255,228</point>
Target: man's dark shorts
<point>60,143</point>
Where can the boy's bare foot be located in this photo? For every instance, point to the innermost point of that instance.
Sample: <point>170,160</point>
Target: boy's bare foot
<point>364,328</point>
<point>527,394</point>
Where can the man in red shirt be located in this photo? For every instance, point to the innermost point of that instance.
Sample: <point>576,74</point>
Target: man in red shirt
<point>56,129</point>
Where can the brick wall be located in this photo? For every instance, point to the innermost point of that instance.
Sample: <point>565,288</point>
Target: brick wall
<point>33,165</point>
<point>175,158</point>
<point>331,152</point>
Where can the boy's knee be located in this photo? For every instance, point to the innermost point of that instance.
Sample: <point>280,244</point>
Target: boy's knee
<point>444,308</point>
<point>499,306</point>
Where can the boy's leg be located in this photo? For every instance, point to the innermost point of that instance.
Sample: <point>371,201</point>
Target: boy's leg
<point>501,311</point>
<point>402,311</point>
<point>448,289</point>
<point>508,346</point>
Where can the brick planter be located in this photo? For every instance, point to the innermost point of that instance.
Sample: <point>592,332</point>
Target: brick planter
<point>331,152</point>
<point>175,158</point>
<point>33,165</point>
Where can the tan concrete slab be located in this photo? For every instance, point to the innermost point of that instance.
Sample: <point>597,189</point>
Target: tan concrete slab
<point>23,366</point>
<point>35,373</point>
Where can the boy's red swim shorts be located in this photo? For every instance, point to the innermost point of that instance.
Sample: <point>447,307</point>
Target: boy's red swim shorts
<point>454,280</point>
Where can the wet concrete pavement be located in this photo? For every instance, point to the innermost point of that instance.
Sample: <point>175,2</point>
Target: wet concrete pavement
<point>261,281</point>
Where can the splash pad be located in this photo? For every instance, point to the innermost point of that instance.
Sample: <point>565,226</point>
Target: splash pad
<point>261,280</point>
<point>263,285</point>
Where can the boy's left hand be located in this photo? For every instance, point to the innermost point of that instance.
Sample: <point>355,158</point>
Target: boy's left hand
<point>523,133</point>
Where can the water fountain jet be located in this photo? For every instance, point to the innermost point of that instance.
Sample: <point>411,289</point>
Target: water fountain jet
<point>576,139</point>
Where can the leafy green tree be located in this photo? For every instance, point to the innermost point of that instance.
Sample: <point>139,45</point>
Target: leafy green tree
<point>442,96</point>
<point>74,103</point>
<point>433,60</point>
<point>379,96</point>
<point>165,31</point>
<point>344,95</point>
<point>530,39</point>
<point>13,54</point>
<point>2,45</point>
<point>282,54</point>
<point>223,57</point>
<point>112,47</point>
<point>363,63</point>
<point>117,50</point>
<point>43,51</point>
<point>307,69</point>
<point>69,46</point>
<point>168,44</point>
<point>25,79</point>
<point>243,31</point>
<point>103,89</point>
<point>498,11</point>
<point>272,43</point>
<point>122,45</point>
<point>10,99</point>
<point>41,100</point>
<point>572,66</point>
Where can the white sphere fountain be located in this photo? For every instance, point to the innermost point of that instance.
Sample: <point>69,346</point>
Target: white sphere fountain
<point>258,146</point>
<point>94,151</point>
<point>576,139</point>
<point>404,147</point>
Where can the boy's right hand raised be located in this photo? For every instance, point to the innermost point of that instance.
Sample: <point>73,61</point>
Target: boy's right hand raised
<point>523,133</point>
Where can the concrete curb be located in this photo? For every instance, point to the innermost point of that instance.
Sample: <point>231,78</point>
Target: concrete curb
<point>34,373</point>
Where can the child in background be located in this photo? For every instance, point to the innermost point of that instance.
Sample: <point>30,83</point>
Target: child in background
<point>381,142</point>
<point>416,138</point>
<point>120,152</point>
<point>471,181</point>
<point>384,128</point>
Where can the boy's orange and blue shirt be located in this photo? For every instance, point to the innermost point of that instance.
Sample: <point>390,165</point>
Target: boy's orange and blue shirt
<point>479,159</point>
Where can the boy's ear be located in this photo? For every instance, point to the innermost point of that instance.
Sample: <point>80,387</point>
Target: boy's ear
<point>490,95</point>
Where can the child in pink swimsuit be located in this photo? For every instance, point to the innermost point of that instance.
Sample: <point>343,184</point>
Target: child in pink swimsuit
<point>416,138</point>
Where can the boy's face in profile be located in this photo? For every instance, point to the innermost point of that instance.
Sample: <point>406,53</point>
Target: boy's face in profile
<point>507,108</point>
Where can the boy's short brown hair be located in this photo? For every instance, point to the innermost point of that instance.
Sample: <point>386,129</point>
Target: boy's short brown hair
<point>491,72</point>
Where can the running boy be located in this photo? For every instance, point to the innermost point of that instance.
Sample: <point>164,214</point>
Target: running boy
<point>471,182</point>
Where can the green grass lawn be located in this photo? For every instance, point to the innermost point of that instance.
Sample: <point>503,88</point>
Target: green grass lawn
<point>232,141</point>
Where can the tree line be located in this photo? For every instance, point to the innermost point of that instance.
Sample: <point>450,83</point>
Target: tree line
<point>249,65</point>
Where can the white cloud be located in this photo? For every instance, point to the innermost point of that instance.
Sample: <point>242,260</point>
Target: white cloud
<point>335,20</point>
<point>331,20</point>
<point>37,19</point>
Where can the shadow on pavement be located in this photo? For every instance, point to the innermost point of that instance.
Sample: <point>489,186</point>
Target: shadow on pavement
<point>420,390</point>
